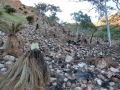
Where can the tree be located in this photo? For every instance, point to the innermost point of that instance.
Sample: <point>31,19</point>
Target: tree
<point>14,42</point>
<point>101,8</point>
<point>9,9</point>
<point>1,13</point>
<point>30,19</point>
<point>83,21</point>
<point>43,8</point>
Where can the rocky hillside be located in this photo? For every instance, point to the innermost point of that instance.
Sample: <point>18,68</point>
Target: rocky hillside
<point>113,20</point>
<point>73,65</point>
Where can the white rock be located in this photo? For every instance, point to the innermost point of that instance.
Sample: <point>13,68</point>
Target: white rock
<point>92,66</point>
<point>51,69</point>
<point>2,65</point>
<point>65,79</point>
<point>111,83</point>
<point>81,64</point>
<point>114,69</point>
<point>3,69</point>
<point>102,64</point>
<point>99,81</point>
<point>78,88</point>
<point>58,71</point>
<point>102,71</point>
<point>68,58</point>
<point>9,57</point>
<point>53,79</point>
<point>68,65</point>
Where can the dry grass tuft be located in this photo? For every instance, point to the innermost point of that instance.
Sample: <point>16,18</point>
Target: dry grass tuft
<point>30,72</point>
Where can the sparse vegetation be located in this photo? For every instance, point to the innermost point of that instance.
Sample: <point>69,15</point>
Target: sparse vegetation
<point>30,19</point>
<point>9,9</point>
<point>1,13</point>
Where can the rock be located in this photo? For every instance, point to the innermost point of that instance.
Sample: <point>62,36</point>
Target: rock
<point>83,86</point>
<point>53,79</point>
<point>9,57</point>
<point>73,85</point>
<point>68,84</point>
<point>81,64</point>
<point>101,64</point>
<point>101,77</point>
<point>63,85</point>
<point>2,65</point>
<point>99,81</point>
<point>54,83</point>
<point>111,83</point>
<point>3,69</point>
<point>8,64</point>
<point>58,71</point>
<point>98,69</point>
<point>109,74</point>
<point>114,69</point>
<point>89,87</point>
<point>116,80</point>
<point>68,59</point>
<point>78,88</point>
<point>111,88</point>
<point>65,79</point>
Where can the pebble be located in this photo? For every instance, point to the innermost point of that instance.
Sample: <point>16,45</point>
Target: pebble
<point>65,79</point>
<point>2,65</point>
<point>68,84</point>
<point>111,83</point>
<point>78,88</point>
<point>3,69</point>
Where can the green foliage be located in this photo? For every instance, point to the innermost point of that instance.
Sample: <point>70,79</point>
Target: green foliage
<point>20,8</point>
<point>25,12</point>
<point>53,18</point>
<point>1,13</point>
<point>115,32</point>
<point>9,9</point>
<point>24,6</point>
<point>10,29</point>
<point>7,6</point>
<point>30,19</point>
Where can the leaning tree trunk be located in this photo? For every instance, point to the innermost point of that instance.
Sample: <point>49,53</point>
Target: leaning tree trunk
<point>92,36</point>
<point>13,45</point>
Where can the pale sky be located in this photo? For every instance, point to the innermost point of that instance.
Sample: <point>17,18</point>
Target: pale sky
<point>66,7</point>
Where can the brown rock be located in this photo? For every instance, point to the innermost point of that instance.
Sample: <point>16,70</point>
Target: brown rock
<point>89,87</point>
<point>101,77</point>
<point>109,74</point>
<point>115,80</point>
<point>68,84</point>
<point>83,86</point>
<point>98,69</point>
<point>73,85</point>
<point>111,88</point>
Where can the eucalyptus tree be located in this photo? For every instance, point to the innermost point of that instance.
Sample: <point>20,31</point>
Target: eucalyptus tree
<point>83,21</point>
<point>102,9</point>
<point>43,8</point>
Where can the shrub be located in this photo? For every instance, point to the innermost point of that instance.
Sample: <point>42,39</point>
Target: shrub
<point>11,10</point>
<point>31,10</point>
<point>24,6</point>
<point>1,13</point>
<point>25,12</point>
<point>7,6</point>
<point>30,19</point>
<point>20,8</point>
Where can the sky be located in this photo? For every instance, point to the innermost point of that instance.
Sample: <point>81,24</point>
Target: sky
<point>67,8</point>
